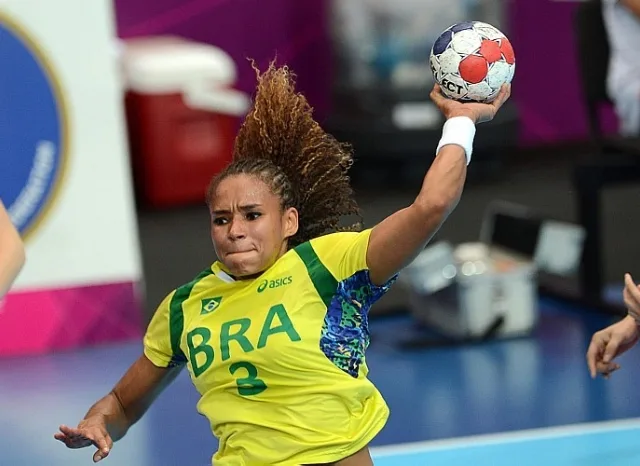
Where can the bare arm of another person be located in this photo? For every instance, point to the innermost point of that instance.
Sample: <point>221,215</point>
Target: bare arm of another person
<point>633,6</point>
<point>398,239</point>
<point>609,343</point>
<point>109,419</point>
<point>12,255</point>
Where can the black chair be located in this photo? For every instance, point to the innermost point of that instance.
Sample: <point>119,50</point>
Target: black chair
<point>614,160</point>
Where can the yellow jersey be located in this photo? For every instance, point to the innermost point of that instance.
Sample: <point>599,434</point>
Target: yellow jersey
<point>279,361</point>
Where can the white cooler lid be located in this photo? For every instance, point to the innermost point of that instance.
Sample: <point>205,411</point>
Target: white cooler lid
<point>471,252</point>
<point>168,64</point>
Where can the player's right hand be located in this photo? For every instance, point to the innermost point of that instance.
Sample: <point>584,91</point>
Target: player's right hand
<point>91,431</point>
<point>478,112</point>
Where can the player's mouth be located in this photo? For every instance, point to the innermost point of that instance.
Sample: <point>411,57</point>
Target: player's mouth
<point>230,253</point>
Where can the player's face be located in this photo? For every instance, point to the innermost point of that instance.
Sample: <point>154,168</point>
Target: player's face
<point>249,229</point>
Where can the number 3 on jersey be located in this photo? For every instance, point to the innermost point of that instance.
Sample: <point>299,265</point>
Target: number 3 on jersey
<point>251,384</point>
<point>201,353</point>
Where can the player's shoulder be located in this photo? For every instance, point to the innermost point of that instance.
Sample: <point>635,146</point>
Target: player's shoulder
<point>180,295</point>
<point>335,241</point>
<point>342,253</point>
<point>205,277</point>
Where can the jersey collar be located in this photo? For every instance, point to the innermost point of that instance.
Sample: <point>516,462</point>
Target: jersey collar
<point>221,274</point>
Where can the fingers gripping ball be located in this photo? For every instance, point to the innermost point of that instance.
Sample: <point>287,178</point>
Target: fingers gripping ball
<point>471,61</point>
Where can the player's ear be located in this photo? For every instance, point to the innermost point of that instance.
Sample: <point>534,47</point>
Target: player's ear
<point>290,222</point>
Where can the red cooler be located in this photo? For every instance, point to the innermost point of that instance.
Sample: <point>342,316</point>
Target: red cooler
<point>183,115</point>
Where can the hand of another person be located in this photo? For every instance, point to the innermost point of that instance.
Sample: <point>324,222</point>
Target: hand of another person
<point>609,343</point>
<point>631,295</point>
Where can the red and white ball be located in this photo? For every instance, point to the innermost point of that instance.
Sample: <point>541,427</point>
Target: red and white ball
<point>471,61</point>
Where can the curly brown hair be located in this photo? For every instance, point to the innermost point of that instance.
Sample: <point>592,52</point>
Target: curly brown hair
<point>281,144</point>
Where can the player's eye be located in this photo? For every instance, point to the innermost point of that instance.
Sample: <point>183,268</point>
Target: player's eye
<point>253,216</point>
<point>219,221</point>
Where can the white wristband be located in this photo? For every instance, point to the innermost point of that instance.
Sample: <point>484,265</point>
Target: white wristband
<point>460,131</point>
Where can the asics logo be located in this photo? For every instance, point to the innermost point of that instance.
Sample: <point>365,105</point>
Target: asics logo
<point>277,283</point>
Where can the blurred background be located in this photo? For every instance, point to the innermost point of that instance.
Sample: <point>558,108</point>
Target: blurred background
<point>115,114</point>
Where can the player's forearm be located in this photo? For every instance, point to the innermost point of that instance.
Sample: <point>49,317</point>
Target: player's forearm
<point>397,240</point>
<point>442,186</point>
<point>111,411</point>
<point>132,396</point>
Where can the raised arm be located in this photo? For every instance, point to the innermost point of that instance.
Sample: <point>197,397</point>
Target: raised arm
<point>12,255</point>
<point>109,419</point>
<point>398,239</point>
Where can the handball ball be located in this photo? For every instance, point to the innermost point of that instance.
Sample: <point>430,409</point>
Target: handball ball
<point>471,61</point>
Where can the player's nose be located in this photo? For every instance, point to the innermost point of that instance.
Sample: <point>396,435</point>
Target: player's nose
<point>237,230</point>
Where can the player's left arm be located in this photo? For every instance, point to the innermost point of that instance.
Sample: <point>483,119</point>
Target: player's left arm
<point>398,239</point>
<point>12,254</point>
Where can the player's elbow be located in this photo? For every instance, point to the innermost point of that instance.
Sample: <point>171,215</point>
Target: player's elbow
<point>441,191</point>
<point>437,206</point>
